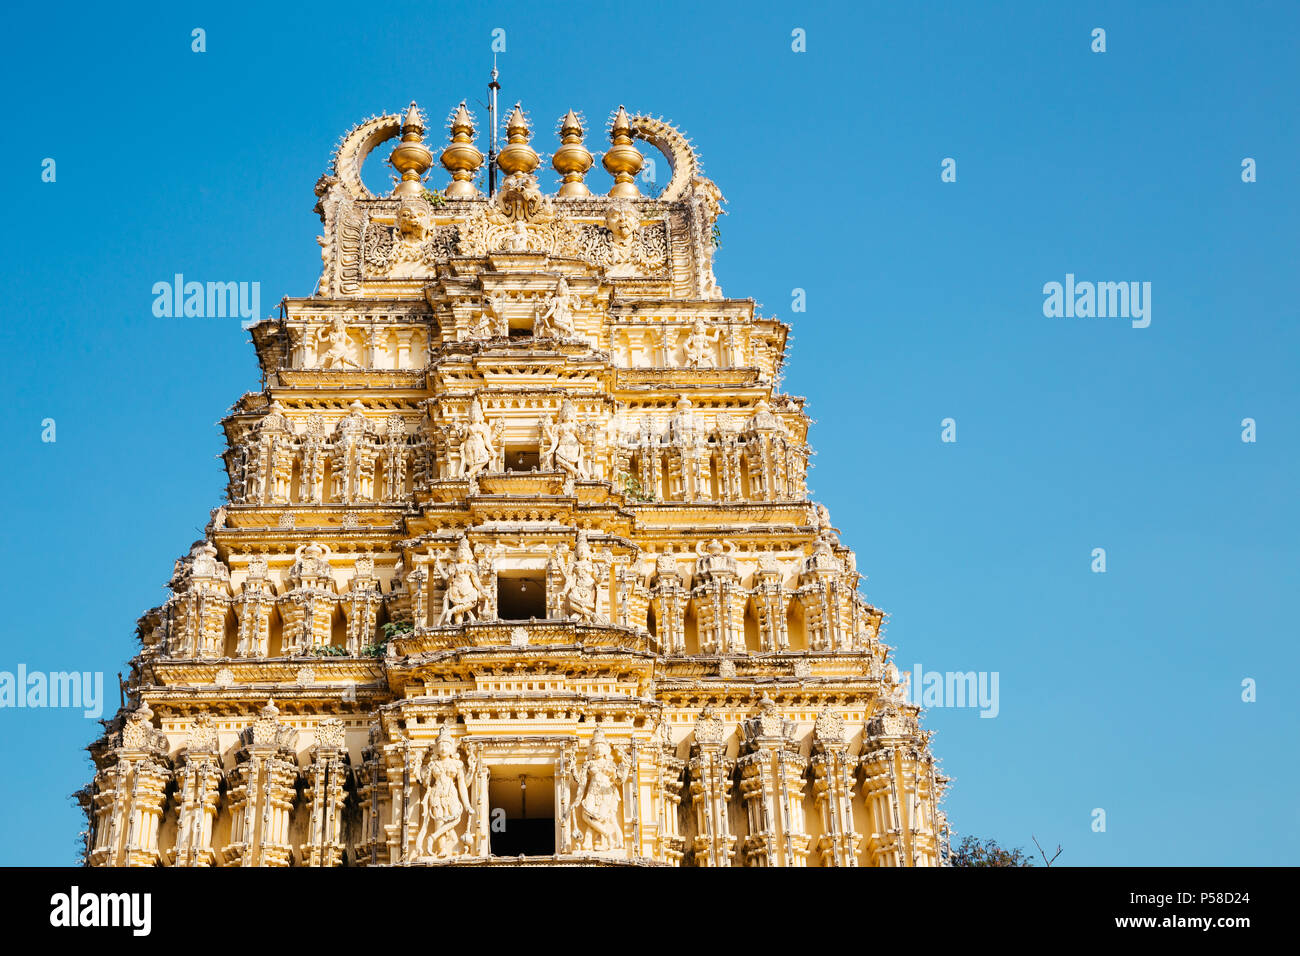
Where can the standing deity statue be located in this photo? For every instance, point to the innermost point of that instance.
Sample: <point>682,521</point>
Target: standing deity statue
<point>563,443</point>
<point>699,346</point>
<point>600,779</point>
<point>556,318</point>
<point>445,800</point>
<point>580,596</point>
<point>478,442</point>
<point>332,341</point>
<point>464,591</point>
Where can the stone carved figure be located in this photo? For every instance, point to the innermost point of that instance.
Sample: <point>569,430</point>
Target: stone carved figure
<point>332,345</point>
<point>682,424</point>
<point>555,319</point>
<point>445,800</point>
<point>582,574</point>
<point>516,240</point>
<point>624,225</point>
<point>478,442</point>
<point>564,443</point>
<point>600,779</point>
<point>464,589</point>
<point>699,346</point>
<point>406,245</point>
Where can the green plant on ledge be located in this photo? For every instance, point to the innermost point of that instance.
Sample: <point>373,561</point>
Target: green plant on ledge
<point>390,630</point>
<point>632,488</point>
<point>434,198</point>
<point>327,650</point>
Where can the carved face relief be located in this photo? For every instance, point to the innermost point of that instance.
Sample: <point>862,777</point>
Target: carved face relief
<point>410,222</point>
<point>622,220</point>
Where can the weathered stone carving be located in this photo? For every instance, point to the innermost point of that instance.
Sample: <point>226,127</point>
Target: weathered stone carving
<point>464,589</point>
<point>479,442</point>
<point>445,800</point>
<point>597,803</point>
<point>405,412</point>
<point>555,318</point>
<point>564,443</point>
<point>583,575</point>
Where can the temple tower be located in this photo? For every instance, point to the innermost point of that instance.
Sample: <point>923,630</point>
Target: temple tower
<point>518,543</point>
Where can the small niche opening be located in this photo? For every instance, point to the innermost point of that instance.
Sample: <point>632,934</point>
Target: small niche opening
<point>523,811</point>
<point>522,458</point>
<point>521,595</point>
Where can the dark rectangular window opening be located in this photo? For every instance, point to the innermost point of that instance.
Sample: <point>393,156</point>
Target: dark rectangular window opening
<point>521,595</point>
<point>522,814</point>
<point>522,458</point>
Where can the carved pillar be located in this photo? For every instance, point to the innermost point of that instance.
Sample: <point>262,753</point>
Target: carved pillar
<point>372,847</point>
<point>820,594</point>
<point>669,597</point>
<point>200,603</point>
<point>719,601</point>
<point>418,583</point>
<point>669,846</point>
<point>709,774</point>
<point>253,610</point>
<point>129,791</point>
<point>771,783</point>
<point>633,597</point>
<point>198,793</point>
<point>901,790</point>
<point>832,773</point>
<point>326,794</point>
<point>361,607</point>
<point>769,598</point>
<point>262,787</point>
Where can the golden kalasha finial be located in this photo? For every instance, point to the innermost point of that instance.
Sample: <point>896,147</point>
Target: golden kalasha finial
<point>411,157</point>
<point>623,160</point>
<point>461,158</point>
<point>518,156</point>
<point>572,159</point>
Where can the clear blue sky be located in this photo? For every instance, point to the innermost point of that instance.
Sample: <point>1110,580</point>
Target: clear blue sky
<point>1119,690</point>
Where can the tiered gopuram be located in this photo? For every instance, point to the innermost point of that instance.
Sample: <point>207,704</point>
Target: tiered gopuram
<point>518,562</point>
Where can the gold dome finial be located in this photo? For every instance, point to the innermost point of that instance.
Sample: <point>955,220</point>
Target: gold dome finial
<point>411,157</point>
<point>461,158</point>
<point>623,160</point>
<point>518,156</point>
<point>572,159</point>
